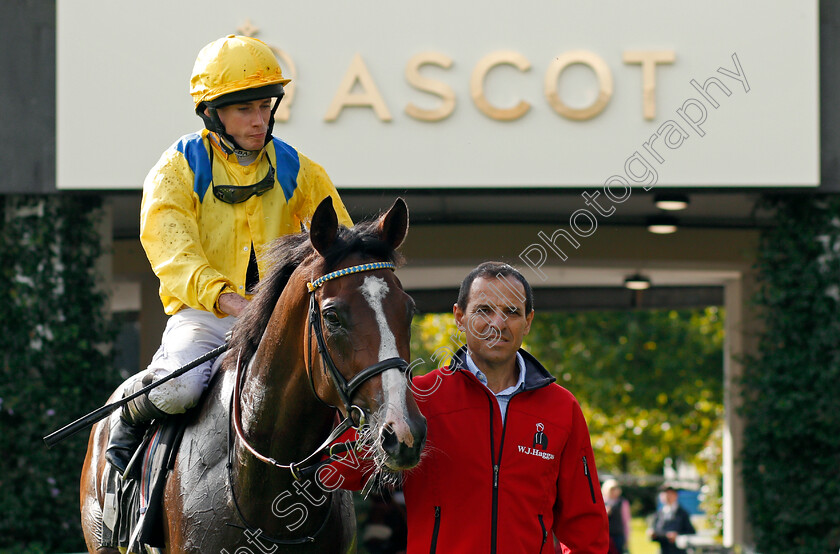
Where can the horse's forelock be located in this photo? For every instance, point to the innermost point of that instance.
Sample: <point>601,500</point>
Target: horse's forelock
<point>285,255</point>
<point>364,240</point>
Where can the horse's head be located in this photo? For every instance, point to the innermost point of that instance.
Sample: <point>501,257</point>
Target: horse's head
<point>364,318</point>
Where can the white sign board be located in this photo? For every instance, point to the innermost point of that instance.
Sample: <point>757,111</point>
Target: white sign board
<point>535,93</point>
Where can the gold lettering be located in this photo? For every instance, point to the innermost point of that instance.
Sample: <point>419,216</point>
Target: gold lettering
<point>483,67</point>
<point>602,73</point>
<point>369,97</point>
<point>648,60</point>
<point>438,88</point>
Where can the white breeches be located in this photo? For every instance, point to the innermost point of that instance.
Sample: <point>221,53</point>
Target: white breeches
<point>189,334</point>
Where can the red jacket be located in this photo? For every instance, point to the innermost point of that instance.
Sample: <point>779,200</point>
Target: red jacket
<point>483,486</point>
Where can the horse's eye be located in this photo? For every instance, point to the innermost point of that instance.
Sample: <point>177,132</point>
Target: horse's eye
<point>331,318</point>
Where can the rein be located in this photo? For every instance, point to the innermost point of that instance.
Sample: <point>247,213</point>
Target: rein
<point>346,391</point>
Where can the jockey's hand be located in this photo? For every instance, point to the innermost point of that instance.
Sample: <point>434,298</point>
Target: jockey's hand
<point>232,304</point>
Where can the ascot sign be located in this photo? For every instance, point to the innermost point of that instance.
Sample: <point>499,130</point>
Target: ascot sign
<point>358,76</point>
<point>543,93</point>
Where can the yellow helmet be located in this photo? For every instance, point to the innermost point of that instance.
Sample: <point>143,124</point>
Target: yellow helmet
<point>231,70</point>
<point>235,64</point>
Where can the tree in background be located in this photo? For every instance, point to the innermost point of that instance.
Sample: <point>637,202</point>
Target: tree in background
<point>650,382</point>
<point>55,364</point>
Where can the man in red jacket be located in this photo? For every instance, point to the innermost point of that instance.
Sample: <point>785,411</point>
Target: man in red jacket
<point>508,459</point>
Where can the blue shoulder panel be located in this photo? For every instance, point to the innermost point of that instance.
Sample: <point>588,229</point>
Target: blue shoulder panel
<point>288,167</point>
<point>192,147</point>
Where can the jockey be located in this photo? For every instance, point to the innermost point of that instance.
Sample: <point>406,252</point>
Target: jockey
<point>211,205</point>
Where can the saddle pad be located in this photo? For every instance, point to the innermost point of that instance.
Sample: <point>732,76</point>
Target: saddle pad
<point>133,505</point>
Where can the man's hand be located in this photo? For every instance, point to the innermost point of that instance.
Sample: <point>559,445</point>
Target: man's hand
<point>232,304</point>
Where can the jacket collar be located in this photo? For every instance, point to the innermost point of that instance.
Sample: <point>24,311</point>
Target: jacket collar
<point>536,376</point>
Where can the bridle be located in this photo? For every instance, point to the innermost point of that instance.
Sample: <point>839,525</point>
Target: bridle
<point>346,389</point>
<point>355,416</point>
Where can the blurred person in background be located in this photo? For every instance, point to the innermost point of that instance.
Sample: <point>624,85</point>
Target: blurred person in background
<point>618,512</point>
<point>671,520</point>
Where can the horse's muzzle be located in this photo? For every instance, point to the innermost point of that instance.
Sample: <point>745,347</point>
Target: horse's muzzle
<point>404,453</point>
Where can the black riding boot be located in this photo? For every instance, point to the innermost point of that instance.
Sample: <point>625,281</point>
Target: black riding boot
<point>128,429</point>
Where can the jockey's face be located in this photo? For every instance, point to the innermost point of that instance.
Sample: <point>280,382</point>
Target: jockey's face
<point>247,122</point>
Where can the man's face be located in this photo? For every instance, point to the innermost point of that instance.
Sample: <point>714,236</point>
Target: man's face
<point>247,122</point>
<point>494,321</point>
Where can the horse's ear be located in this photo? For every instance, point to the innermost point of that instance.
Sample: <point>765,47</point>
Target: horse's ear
<point>393,226</point>
<point>324,226</point>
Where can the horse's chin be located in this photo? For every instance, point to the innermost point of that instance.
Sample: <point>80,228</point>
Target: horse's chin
<point>404,461</point>
<point>397,467</point>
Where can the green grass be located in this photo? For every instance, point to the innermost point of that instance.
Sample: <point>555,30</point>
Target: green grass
<point>639,542</point>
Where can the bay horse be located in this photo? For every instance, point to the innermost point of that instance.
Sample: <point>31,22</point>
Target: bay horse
<point>327,331</point>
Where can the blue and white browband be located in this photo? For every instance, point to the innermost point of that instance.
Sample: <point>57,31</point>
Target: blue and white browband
<point>348,271</point>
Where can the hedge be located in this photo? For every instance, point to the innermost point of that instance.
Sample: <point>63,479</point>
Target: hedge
<point>56,363</point>
<point>791,457</point>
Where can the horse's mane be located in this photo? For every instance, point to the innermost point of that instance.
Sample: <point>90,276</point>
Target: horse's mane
<point>284,256</point>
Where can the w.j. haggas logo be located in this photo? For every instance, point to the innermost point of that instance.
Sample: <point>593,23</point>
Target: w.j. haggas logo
<point>539,446</point>
<point>540,440</point>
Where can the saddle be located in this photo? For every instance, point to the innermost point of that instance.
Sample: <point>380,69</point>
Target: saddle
<point>132,515</point>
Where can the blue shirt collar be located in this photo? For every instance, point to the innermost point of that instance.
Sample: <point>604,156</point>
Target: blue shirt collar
<point>520,362</point>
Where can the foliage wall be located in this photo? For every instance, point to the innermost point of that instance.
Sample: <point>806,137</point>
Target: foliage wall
<point>791,455</point>
<point>55,364</point>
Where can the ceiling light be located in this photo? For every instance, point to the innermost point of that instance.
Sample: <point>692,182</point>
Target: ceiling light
<point>662,224</point>
<point>671,202</point>
<point>637,281</point>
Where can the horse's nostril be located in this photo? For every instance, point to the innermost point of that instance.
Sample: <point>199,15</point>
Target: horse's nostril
<point>389,440</point>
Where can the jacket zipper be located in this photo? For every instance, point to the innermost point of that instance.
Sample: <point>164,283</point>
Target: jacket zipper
<point>496,467</point>
<point>589,478</point>
<point>544,532</point>
<point>435,532</point>
<point>495,501</point>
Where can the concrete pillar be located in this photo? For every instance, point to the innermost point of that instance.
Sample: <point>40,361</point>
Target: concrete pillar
<point>741,340</point>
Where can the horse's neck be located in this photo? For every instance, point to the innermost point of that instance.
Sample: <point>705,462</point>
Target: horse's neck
<point>281,416</point>
<point>280,422</point>
<point>280,413</point>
